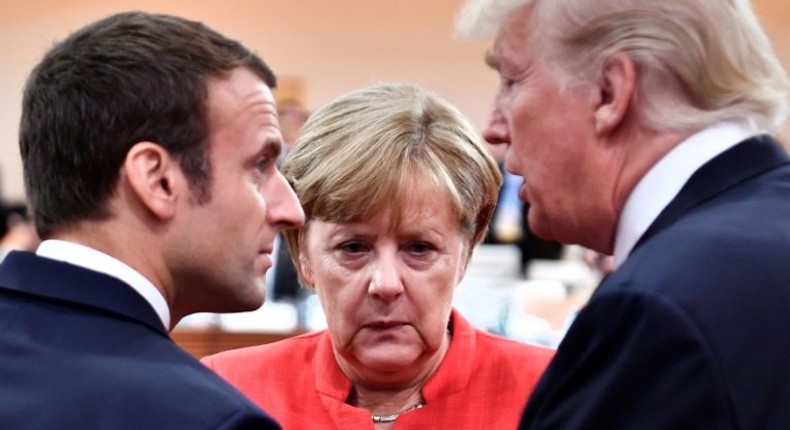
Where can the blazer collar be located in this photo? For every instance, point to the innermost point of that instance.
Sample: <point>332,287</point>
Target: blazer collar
<point>739,163</point>
<point>27,273</point>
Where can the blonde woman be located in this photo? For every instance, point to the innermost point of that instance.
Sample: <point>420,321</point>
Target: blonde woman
<point>397,189</point>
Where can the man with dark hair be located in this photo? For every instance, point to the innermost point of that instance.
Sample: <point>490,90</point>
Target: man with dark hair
<point>149,145</point>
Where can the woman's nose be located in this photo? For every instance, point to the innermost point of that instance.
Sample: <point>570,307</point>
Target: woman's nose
<point>386,282</point>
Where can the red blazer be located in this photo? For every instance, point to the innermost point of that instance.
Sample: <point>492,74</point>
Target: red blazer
<point>483,382</point>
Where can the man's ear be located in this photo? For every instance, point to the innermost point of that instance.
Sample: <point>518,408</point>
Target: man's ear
<point>152,175</point>
<point>616,87</point>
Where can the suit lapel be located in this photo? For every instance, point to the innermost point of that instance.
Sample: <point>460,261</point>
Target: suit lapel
<point>734,166</point>
<point>28,273</point>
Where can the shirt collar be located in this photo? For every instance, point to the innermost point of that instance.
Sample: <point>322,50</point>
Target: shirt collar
<point>89,258</point>
<point>666,178</point>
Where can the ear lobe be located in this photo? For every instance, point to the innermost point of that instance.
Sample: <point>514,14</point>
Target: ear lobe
<point>463,266</point>
<point>151,174</point>
<point>307,271</point>
<point>616,91</point>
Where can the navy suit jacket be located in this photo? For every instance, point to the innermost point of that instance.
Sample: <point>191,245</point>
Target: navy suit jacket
<point>693,330</point>
<point>83,350</point>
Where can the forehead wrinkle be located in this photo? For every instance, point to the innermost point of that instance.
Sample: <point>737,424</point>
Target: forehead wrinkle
<point>256,103</point>
<point>265,109</point>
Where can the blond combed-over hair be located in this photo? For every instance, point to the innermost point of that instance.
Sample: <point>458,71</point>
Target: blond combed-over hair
<point>361,154</point>
<point>699,61</point>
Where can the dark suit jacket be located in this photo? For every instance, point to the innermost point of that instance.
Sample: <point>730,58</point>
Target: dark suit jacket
<point>693,331</point>
<point>83,350</point>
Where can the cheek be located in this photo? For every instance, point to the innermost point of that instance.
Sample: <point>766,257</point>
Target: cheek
<point>434,293</point>
<point>340,292</point>
<point>522,113</point>
<point>548,162</point>
<point>341,310</point>
<point>330,276</point>
<point>519,156</point>
<point>244,208</point>
<point>434,312</point>
<point>257,204</point>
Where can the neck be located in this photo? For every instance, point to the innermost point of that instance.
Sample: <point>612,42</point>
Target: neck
<point>133,250</point>
<point>637,152</point>
<point>385,402</point>
<point>385,410</point>
<point>395,399</point>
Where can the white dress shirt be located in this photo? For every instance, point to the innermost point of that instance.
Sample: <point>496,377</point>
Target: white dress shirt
<point>89,258</point>
<point>665,179</point>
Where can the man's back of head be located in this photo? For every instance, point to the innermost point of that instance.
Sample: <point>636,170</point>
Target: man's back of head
<point>128,78</point>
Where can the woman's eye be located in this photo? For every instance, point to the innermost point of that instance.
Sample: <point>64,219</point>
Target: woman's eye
<point>352,247</point>
<point>420,247</point>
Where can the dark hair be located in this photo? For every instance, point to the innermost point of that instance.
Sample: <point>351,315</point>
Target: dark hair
<point>128,78</point>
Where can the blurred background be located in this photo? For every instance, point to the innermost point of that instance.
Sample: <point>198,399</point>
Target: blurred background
<point>517,285</point>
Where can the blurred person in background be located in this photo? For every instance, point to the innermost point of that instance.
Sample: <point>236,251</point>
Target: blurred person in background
<point>509,226</point>
<point>285,281</point>
<point>397,188</point>
<point>149,145</point>
<point>644,129</point>
<point>17,232</point>
<point>292,115</point>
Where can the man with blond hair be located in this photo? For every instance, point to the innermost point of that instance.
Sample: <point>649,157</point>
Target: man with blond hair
<point>644,129</point>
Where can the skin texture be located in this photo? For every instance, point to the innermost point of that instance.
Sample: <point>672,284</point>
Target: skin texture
<point>387,293</point>
<point>225,245</point>
<point>550,138</point>
<point>581,149</point>
<point>210,256</point>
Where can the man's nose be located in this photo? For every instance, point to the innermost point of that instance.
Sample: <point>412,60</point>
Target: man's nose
<point>496,131</point>
<point>284,209</point>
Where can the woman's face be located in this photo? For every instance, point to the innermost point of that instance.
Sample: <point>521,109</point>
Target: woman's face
<point>387,289</point>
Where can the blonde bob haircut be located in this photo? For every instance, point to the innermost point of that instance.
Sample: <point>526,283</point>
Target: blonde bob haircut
<point>698,61</point>
<point>360,155</point>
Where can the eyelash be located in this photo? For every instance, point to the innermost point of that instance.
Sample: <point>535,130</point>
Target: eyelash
<point>423,247</point>
<point>352,247</point>
<point>356,247</point>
